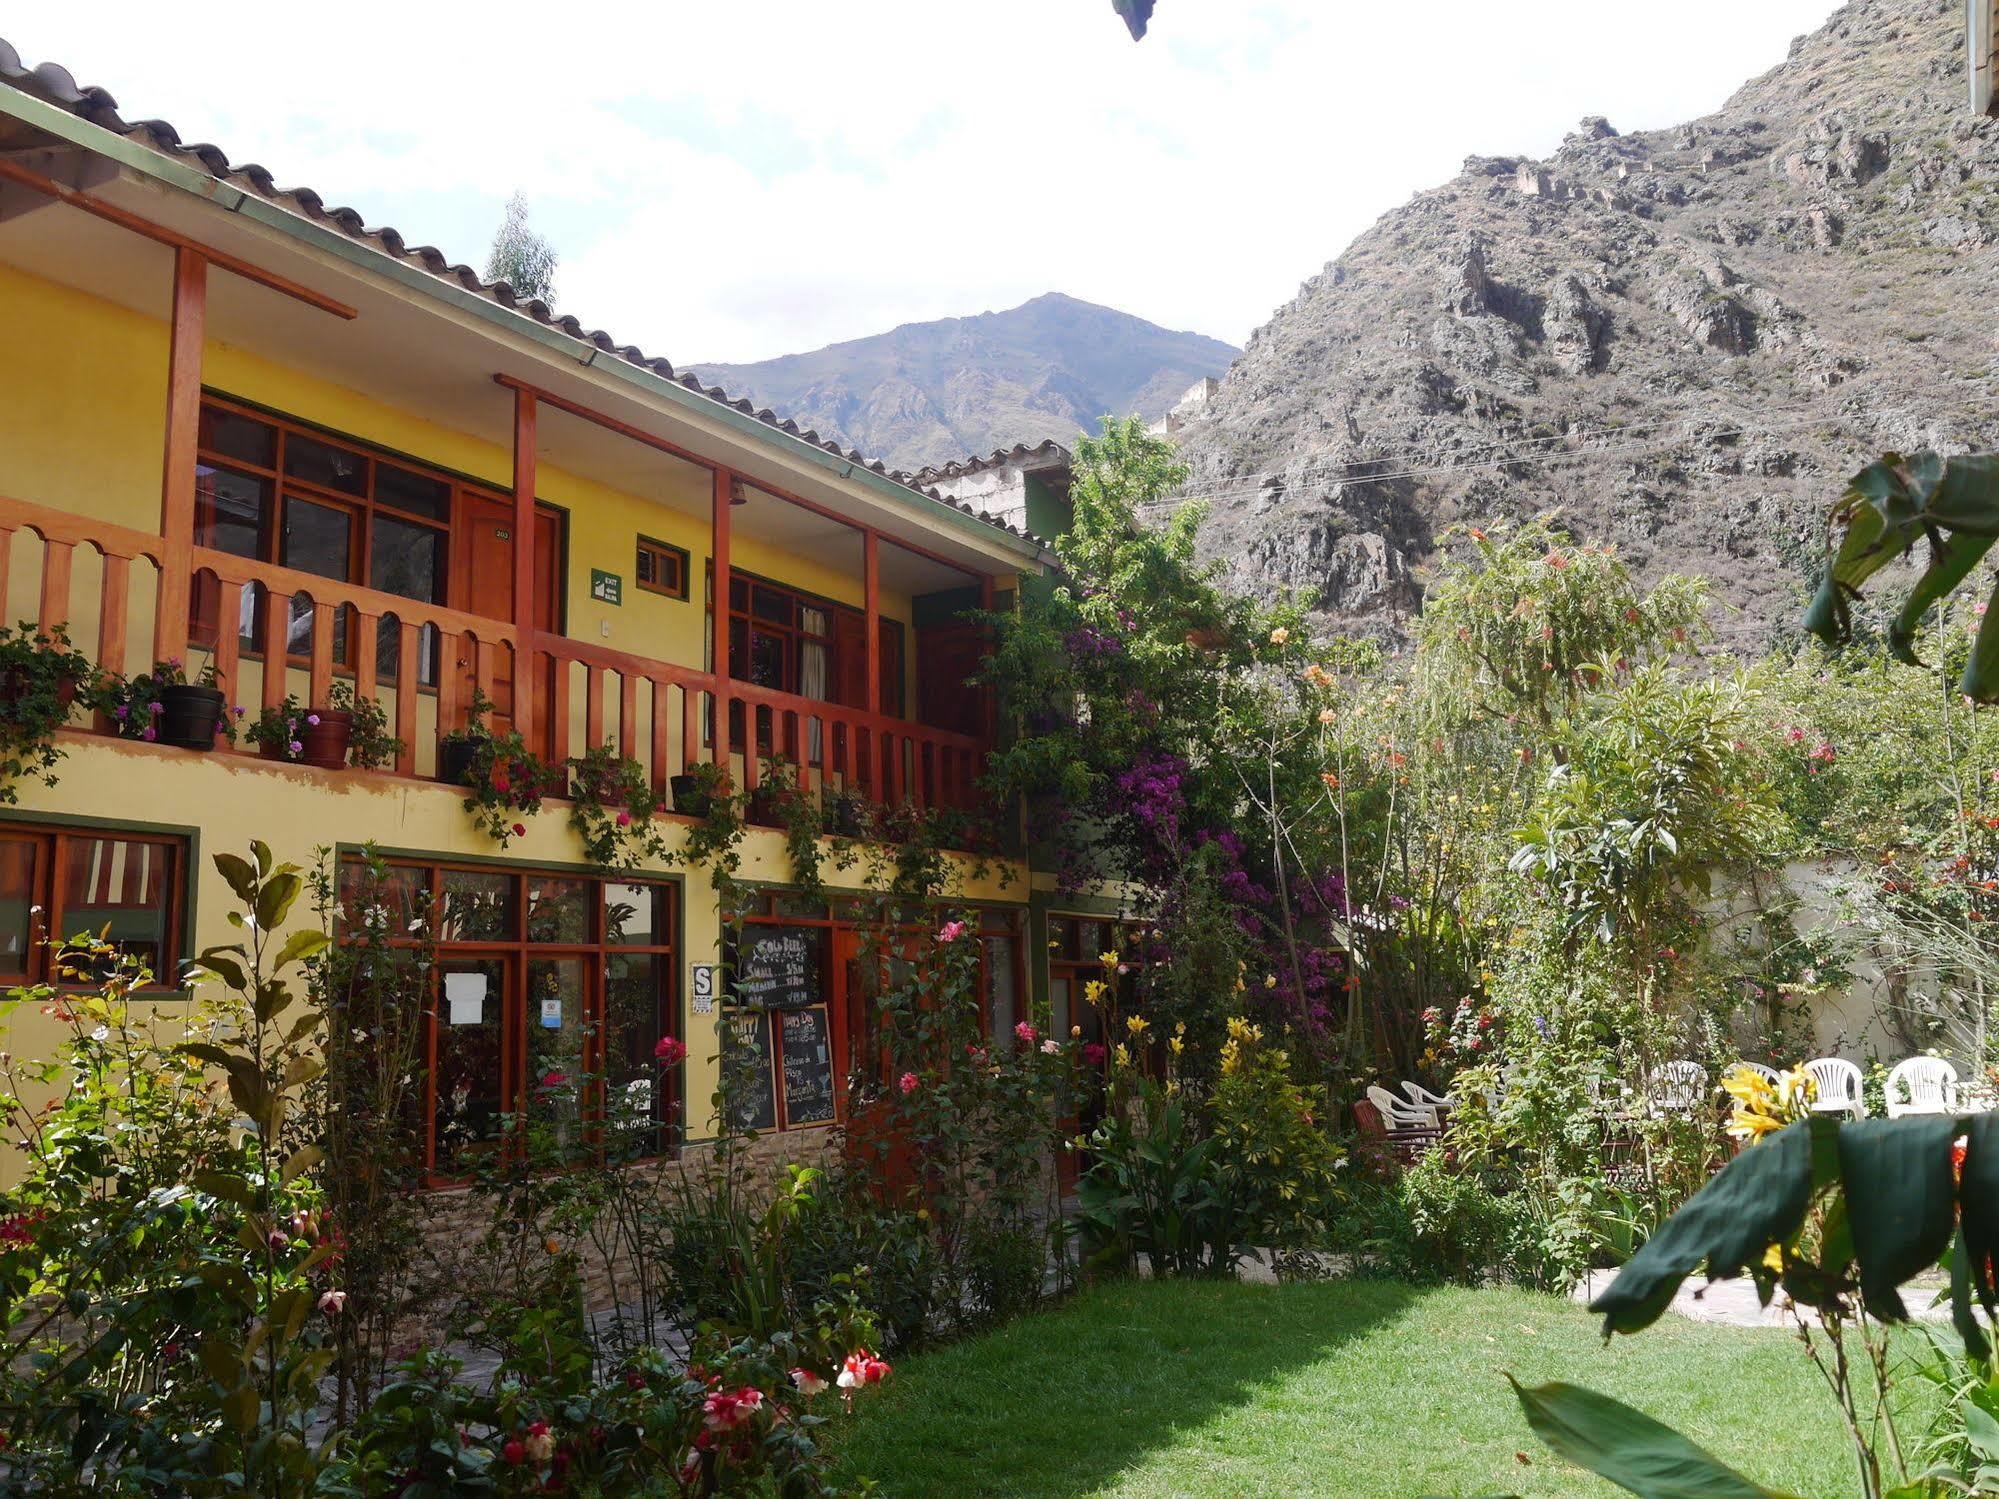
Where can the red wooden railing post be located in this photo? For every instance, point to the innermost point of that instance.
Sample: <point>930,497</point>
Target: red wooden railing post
<point>718,550</point>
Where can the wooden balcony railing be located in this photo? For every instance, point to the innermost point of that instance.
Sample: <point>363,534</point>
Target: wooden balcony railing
<point>421,662</point>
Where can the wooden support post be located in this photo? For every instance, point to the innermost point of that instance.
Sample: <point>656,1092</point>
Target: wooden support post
<point>871,604</point>
<point>524,568</point>
<point>718,551</point>
<point>190,308</point>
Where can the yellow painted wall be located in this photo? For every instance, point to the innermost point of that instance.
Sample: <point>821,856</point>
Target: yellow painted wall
<point>296,809</point>
<point>82,428</point>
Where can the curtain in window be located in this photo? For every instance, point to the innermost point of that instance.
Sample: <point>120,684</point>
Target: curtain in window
<point>814,626</point>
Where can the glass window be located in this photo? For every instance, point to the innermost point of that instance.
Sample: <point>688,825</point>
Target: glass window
<point>319,538</point>
<point>635,993</point>
<point>555,1031</point>
<point>1002,994</point>
<point>419,494</point>
<point>122,888</point>
<point>237,436</point>
<point>478,907</point>
<point>469,1106</point>
<point>558,909</point>
<point>230,511</point>
<point>407,559</point>
<point>324,464</point>
<point>635,915</point>
<point>20,870</point>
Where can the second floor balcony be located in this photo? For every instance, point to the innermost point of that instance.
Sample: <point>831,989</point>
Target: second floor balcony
<point>282,471</point>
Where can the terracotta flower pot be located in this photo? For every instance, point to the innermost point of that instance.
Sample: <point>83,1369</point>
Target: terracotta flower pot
<point>190,715</point>
<point>325,742</point>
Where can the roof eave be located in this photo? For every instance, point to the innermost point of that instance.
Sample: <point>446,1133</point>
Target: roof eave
<point>152,164</point>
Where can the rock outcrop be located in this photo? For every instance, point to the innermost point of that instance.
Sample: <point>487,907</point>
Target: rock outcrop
<point>1684,339</point>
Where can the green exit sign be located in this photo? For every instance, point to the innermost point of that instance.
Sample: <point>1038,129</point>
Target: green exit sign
<point>606,588</point>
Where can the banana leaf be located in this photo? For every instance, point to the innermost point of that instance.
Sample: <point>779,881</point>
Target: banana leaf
<point>1758,1199</point>
<point>1978,1203</point>
<point>1627,1446</point>
<point>1901,1202</point>
<point>1888,508</point>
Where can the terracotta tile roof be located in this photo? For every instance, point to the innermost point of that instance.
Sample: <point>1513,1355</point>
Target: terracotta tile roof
<point>54,84</point>
<point>1048,447</point>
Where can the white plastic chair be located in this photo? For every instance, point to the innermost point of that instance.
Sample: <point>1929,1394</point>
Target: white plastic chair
<point>1839,1087</point>
<point>1769,1075</point>
<point>1930,1084</point>
<point>1423,1098</point>
<point>1677,1087</point>
<point>1397,1114</point>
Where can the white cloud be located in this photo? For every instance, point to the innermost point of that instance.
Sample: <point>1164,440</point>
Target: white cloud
<point>736,181</point>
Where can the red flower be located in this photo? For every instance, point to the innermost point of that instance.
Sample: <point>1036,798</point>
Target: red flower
<point>725,1410</point>
<point>671,1050</point>
<point>520,830</point>
<point>515,1452</point>
<point>502,783</point>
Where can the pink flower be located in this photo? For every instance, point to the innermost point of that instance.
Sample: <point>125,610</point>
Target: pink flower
<point>501,782</point>
<point>861,1368</point>
<point>553,1080</point>
<point>725,1410</point>
<point>951,931</point>
<point>909,1083</point>
<point>333,1303</point>
<point>671,1050</point>
<point>1051,1047</point>
<point>1094,1053</point>
<point>808,1383</point>
<point>624,819</point>
<point>1026,1032</point>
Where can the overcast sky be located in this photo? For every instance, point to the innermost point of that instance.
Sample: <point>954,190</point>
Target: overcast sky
<point>733,179</point>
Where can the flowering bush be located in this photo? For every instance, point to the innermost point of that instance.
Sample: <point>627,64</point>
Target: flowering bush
<point>40,673</point>
<point>279,730</point>
<point>508,782</point>
<point>613,809</point>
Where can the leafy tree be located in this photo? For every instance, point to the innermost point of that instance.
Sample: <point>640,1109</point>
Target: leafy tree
<point>520,257</point>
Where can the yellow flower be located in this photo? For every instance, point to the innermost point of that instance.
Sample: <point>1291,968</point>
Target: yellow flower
<point>1135,1024</point>
<point>1177,1045</point>
<point>1109,959</point>
<point>1075,1033</point>
<point>1179,1027</point>
<point>1240,1029</point>
<point>1279,635</point>
<point>1122,1056</point>
<point>1270,981</point>
<point>1093,991</point>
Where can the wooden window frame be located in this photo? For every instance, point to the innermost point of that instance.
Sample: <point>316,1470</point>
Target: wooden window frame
<point>894,644</point>
<point>517,952</point>
<point>54,843</point>
<point>682,559</point>
<point>360,508</point>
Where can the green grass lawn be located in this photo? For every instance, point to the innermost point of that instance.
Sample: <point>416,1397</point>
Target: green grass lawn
<point>1358,1388</point>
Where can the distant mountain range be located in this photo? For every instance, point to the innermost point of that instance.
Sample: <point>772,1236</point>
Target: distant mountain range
<point>926,393</point>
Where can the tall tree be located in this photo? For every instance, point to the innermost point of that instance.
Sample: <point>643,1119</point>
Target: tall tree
<point>520,257</point>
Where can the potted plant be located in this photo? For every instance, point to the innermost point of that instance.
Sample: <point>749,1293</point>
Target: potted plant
<point>458,751</point>
<point>39,676</point>
<point>162,705</point>
<point>278,731</point>
<point>777,788</point>
<point>507,781</point>
<point>327,730</point>
<point>846,813</point>
<point>696,793</point>
<point>370,746</point>
<point>612,809</point>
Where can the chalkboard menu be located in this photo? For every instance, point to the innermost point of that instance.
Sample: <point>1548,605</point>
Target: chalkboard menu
<point>808,1065</point>
<point>777,968</point>
<point>752,1085</point>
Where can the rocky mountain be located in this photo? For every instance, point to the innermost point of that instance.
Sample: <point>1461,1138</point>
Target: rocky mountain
<point>926,393</point>
<point>1685,339</point>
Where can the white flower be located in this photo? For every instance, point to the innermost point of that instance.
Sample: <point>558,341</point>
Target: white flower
<point>102,1033</point>
<point>1051,1047</point>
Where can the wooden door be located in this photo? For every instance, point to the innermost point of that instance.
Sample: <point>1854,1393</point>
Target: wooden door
<point>947,657</point>
<point>482,583</point>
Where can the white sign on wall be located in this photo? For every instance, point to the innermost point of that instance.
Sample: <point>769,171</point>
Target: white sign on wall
<point>707,979</point>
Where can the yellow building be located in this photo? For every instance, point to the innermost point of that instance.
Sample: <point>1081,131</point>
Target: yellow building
<point>232,416</point>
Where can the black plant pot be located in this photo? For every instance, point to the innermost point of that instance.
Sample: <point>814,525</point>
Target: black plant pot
<point>843,816</point>
<point>457,757</point>
<point>689,800</point>
<point>190,716</point>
